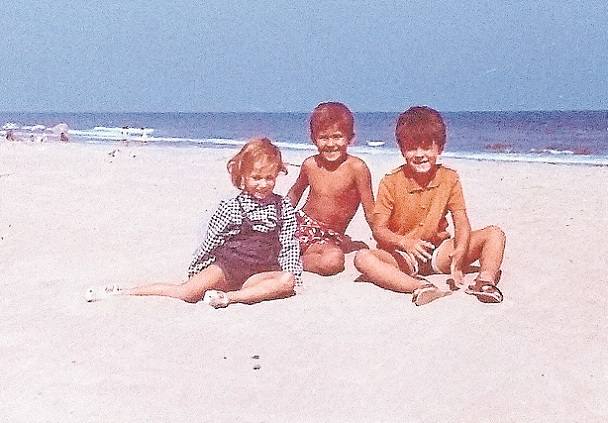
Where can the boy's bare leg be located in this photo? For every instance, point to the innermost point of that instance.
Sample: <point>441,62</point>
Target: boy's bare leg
<point>381,268</point>
<point>264,286</point>
<point>486,245</point>
<point>325,259</point>
<point>190,291</point>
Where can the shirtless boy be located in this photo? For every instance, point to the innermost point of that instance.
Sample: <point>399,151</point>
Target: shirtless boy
<point>338,183</point>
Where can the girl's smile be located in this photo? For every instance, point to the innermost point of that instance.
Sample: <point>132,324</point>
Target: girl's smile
<point>260,182</point>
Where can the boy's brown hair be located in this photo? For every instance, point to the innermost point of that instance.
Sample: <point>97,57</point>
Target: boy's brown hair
<point>255,151</point>
<point>420,126</point>
<point>332,113</point>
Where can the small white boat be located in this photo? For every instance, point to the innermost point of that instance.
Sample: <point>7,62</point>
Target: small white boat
<point>10,125</point>
<point>375,143</point>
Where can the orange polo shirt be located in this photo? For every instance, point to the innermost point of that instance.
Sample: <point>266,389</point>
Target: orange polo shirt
<point>419,211</point>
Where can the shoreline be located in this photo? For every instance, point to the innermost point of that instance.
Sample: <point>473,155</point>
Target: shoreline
<point>567,159</point>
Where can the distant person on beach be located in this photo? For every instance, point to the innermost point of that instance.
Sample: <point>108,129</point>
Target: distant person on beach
<point>144,136</point>
<point>250,253</point>
<point>410,222</point>
<point>338,183</point>
<point>124,135</point>
<point>10,135</point>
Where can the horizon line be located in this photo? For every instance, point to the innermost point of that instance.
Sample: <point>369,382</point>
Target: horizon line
<point>299,111</point>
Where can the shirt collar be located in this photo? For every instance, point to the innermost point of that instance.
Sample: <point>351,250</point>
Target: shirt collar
<point>412,186</point>
<point>250,203</point>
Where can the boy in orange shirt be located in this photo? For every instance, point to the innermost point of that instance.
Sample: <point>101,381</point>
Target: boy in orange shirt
<point>338,183</point>
<point>410,223</point>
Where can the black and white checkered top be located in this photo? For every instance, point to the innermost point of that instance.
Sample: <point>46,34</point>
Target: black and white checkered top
<point>227,220</point>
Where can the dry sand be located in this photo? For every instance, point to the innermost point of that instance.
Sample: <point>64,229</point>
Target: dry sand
<point>72,216</point>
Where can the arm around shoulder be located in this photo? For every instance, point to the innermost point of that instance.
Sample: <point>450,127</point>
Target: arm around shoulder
<point>297,189</point>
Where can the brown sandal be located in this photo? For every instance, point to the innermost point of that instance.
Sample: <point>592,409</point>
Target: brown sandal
<point>451,283</point>
<point>485,291</point>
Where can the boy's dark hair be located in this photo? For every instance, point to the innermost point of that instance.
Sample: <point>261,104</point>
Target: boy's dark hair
<point>420,126</point>
<point>332,113</point>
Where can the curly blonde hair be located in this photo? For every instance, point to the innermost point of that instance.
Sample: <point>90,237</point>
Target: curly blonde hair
<point>257,150</point>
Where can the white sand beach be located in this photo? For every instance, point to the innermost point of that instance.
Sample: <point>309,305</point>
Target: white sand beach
<point>73,216</point>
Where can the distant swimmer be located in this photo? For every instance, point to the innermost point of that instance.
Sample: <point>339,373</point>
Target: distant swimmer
<point>63,137</point>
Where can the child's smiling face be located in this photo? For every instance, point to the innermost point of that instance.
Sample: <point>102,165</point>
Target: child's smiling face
<point>421,159</point>
<point>332,143</point>
<point>260,181</point>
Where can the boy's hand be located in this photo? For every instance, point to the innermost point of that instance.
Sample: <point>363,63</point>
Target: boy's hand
<point>456,260</point>
<point>418,248</point>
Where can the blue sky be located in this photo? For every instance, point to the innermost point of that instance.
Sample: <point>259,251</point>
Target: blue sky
<point>290,55</point>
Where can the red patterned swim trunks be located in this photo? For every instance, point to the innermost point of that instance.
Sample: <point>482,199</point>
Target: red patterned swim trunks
<point>310,232</point>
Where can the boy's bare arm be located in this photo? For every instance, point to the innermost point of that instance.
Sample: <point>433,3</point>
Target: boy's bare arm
<point>462,234</point>
<point>462,230</point>
<point>382,234</point>
<point>363,179</point>
<point>297,189</point>
<point>388,239</point>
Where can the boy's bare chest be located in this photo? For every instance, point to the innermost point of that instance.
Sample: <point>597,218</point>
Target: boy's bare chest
<point>336,183</point>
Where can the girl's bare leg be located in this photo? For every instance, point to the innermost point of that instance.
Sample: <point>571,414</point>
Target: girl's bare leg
<point>382,269</point>
<point>190,291</point>
<point>264,286</point>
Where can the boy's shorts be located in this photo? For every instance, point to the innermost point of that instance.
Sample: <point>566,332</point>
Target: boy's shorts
<point>428,267</point>
<point>310,231</point>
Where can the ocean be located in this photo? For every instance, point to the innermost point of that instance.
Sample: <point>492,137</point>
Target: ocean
<point>569,137</point>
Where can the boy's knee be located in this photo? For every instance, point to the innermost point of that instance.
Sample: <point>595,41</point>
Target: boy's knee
<point>362,259</point>
<point>496,232</point>
<point>331,263</point>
